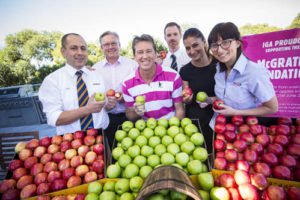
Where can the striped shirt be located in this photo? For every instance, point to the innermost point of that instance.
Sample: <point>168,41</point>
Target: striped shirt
<point>161,94</point>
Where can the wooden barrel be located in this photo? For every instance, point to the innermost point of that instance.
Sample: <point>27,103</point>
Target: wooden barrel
<point>170,178</point>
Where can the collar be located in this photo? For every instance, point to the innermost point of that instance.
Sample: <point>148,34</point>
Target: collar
<point>176,53</point>
<point>158,71</point>
<point>240,64</point>
<point>71,70</point>
<point>106,63</point>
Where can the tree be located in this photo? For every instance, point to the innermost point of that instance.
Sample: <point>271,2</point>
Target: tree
<point>249,29</point>
<point>296,22</point>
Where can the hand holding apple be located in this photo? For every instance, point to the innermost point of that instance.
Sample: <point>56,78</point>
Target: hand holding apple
<point>95,104</point>
<point>99,96</point>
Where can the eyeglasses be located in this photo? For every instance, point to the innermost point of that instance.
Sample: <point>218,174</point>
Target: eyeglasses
<point>225,44</point>
<point>107,45</point>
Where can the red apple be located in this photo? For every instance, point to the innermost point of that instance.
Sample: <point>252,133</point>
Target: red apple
<point>187,92</point>
<point>28,191</point>
<point>45,141</point>
<point>57,139</point>
<point>15,164</point>
<point>24,154</point>
<point>248,191</point>
<point>99,139</point>
<point>67,173</point>
<point>90,157</point>
<point>256,129</point>
<point>263,139</point>
<point>281,172</point>
<point>242,165</point>
<point>234,194</point>
<point>283,129</point>
<point>83,150</point>
<point>29,162</point>
<point>250,156</point>
<point>227,181</point>
<point>248,137</point>
<point>24,180</point>
<point>98,166</point>
<point>53,148</point>
<point>259,181</point>
<point>218,104</point>
<point>220,163</point>
<point>220,137</point>
<point>90,177</point>
<point>219,145</point>
<point>89,140</point>
<point>70,153</point>
<point>237,120</point>
<point>276,192</point>
<point>257,147</point>
<point>64,164</point>
<point>293,193</point>
<point>110,93</point>
<point>295,138</point>
<point>43,188</point>
<point>53,175</point>
<point>76,161</point>
<point>46,158</point>
<point>74,181</point>
<point>288,161</point>
<point>220,154</point>
<point>281,139</point>
<point>50,166</point>
<point>284,120</point>
<point>11,194</point>
<point>230,127</point>
<point>92,132</point>
<point>243,128</point>
<point>40,178</point>
<point>231,166</point>
<point>36,169</point>
<point>78,135</point>
<point>294,149</point>
<point>275,148</point>
<point>81,170</point>
<point>270,158</point>
<point>7,184</point>
<point>231,155</point>
<point>68,137</point>
<point>262,168</point>
<point>230,136</point>
<point>98,149</point>
<point>251,120</point>
<point>241,177</point>
<point>18,173</point>
<point>65,145</point>
<point>76,143</point>
<point>220,128</point>
<point>58,156</point>
<point>220,119</point>
<point>32,144</point>
<point>39,151</point>
<point>240,145</point>
<point>58,184</point>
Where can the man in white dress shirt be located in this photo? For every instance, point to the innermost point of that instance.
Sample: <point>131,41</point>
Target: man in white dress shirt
<point>58,92</point>
<point>114,69</point>
<point>176,57</point>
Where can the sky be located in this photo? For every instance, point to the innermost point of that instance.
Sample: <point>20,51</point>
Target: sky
<point>90,18</point>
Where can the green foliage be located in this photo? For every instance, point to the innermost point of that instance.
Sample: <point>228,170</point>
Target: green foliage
<point>249,29</point>
<point>296,22</point>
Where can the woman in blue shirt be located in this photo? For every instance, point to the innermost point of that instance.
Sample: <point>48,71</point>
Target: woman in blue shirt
<point>243,85</point>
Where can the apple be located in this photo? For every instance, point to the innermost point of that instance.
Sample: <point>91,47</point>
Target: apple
<point>67,173</point>
<point>248,137</point>
<point>294,150</point>
<point>231,166</point>
<point>24,154</point>
<point>90,157</point>
<point>18,173</point>
<point>187,92</point>
<point>256,129</point>
<point>82,150</point>
<point>270,158</point>
<point>197,139</point>
<point>63,164</point>
<point>283,129</point>
<point>140,99</point>
<point>28,191</point>
<point>58,156</point>
<point>98,148</point>
<point>50,166</point>
<point>58,184</point>
<point>240,145</point>
<point>182,158</point>
<point>230,136</point>
<point>257,147</point>
<point>43,188</point>
<point>275,148</point>
<point>227,181</point>
<point>73,181</point>
<point>230,127</point>
<point>15,164</point>
<point>281,172</point>
<point>200,154</point>
<point>194,167</point>
<point>40,178</point>
<point>220,119</point>
<point>145,171</point>
<point>288,161</point>
<point>65,145</point>
<point>53,175</point>
<point>57,139</point>
<point>151,123</point>
<point>90,177</point>
<point>201,96</point>
<point>187,147</point>
<point>107,195</point>
<point>220,128</point>
<point>98,166</point>
<point>36,169</point>
<point>153,160</point>
<point>259,181</point>
<point>131,170</point>
<point>135,184</point>
<point>53,148</point>
<point>113,171</point>
<point>24,180</point>
<point>126,143</point>
<point>250,156</point>
<point>219,145</point>
<point>32,144</point>
<point>81,170</point>
<point>45,141</point>
<point>248,191</point>
<point>7,184</point>
<point>20,146</point>
<point>163,122</point>
<point>218,193</point>
<point>29,162</point>
<point>243,128</point>
<point>251,120</point>
<point>133,133</point>
<point>127,125</point>
<point>141,140</point>
<point>220,163</point>
<point>262,168</point>
<point>242,165</point>
<point>78,135</point>
<point>140,124</point>
<point>11,194</point>
<point>140,161</point>
<point>167,159</point>
<point>275,192</point>
<point>174,121</point>
<point>110,93</point>
<point>76,143</point>
<point>190,129</point>
<point>99,96</point>
<point>218,104</point>
<point>206,181</point>
<point>231,155</point>
<point>241,177</point>
<point>89,140</point>
<point>173,131</point>
<point>134,151</point>
<point>237,120</point>
<point>293,193</point>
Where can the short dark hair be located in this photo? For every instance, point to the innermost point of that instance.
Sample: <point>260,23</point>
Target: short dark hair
<point>193,32</point>
<point>143,38</point>
<point>108,33</point>
<point>64,38</point>
<point>172,24</point>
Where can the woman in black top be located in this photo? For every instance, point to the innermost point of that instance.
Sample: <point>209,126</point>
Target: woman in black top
<point>199,76</point>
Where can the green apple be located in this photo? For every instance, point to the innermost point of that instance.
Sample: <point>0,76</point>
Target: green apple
<point>148,132</point>
<point>219,193</point>
<point>173,131</point>
<point>177,195</point>
<point>107,195</point>
<point>151,123</point>
<point>136,183</point>
<point>194,167</point>
<point>160,131</point>
<point>120,135</point>
<point>174,121</point>
<point>124,160</point>
<point>204,194</point>
<point>140,124</point>
<point>187,147</point>
<point>133,133</point>
<point>190,129</point>
<point>141,140</point>
<point>160,149</point>
<point>113,171</point>
<point>180,139</point>
<point>166,140</point>
<point>153,141</point>
<point>197,139</point>
<point>145,171</point>
<point>127,125</point>
<point>182,158</point>
<point>99,96</point>
<point>173,148</point>
<point>185,121</point>
<point>167,159</point>
<point>204,168</point>
<point>131,170</point>
<point>153,160</point>
<point>95,187</point>
<point>126,143</point>
<point>91,196</point>
<point>122,186</point>
<point>163,122</point>
<point>201,96</point>
<point>109,186</point>
<point>206,181</point>
<point>156,197</point>
<point>117,152</point>
<point>140,99</point>
<point>126,196</point>
<point>134,151</point>
<point>200,154</point>
<point>140,161</point>
<point>146,151</point>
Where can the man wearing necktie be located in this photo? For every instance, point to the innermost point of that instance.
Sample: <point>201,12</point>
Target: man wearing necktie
<point>67,94</point>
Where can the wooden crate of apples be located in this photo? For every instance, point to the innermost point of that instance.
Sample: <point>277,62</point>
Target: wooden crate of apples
<point>52,164</point>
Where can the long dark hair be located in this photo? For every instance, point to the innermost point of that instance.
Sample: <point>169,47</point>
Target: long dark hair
<point>225,30</point>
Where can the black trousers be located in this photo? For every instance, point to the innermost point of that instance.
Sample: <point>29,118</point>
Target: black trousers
<point>114,121</point>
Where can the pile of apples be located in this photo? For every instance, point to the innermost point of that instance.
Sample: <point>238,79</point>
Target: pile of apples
<point>273,151</point>
<point>240,185</point>
<point>145,145</point>
<point>56,163</point>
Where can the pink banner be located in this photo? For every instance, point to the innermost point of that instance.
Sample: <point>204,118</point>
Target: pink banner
<point>279,52</point>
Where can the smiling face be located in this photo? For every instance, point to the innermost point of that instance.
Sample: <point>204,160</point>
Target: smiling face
<point>75,51</point>
<point>195,48</point>
<point>145,55</point>
<point>110,46</point>
<point>172,37</point>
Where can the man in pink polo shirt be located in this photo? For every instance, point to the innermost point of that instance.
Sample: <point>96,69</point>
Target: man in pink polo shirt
<point>161,87</point>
